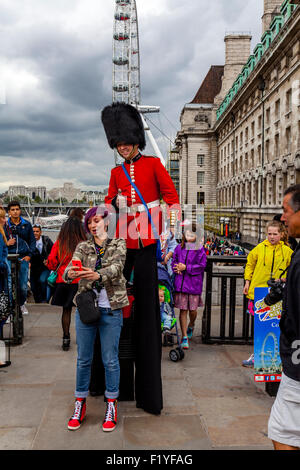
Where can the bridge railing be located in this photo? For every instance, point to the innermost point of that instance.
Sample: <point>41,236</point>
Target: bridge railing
<point>225,319</point>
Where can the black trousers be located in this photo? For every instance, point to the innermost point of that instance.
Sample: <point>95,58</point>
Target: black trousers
<point>147,327</point>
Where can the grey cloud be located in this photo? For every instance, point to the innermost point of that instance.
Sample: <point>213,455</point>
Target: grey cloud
<point>60,120</point>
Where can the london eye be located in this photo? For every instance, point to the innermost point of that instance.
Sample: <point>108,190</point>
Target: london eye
<point>126,86</point>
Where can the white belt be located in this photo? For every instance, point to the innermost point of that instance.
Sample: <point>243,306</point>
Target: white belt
<point>140,207</point>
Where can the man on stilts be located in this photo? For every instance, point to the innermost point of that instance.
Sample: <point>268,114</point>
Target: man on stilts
<point>125,132</point>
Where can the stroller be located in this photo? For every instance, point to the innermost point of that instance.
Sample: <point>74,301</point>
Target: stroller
<point>164,279</point>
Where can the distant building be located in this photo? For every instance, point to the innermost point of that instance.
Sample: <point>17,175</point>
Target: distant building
<point>67,191</point>
<point>31,191</point>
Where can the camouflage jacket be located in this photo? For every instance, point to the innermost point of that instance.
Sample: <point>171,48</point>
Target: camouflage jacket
<point>111,271</point>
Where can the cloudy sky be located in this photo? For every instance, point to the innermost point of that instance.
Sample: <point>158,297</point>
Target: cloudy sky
<point>56,76</point>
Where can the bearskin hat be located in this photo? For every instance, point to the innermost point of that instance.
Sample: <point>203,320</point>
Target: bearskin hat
<point>123,124</point>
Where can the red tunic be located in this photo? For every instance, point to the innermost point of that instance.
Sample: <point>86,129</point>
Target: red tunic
<point>154,182</point>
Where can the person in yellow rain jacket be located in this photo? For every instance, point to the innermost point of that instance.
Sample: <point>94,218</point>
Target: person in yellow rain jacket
<point>267,260</point>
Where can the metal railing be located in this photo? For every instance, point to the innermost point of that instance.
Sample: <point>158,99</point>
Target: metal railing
<point>224,322</point>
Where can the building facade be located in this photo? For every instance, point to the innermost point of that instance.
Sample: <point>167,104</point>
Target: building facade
<point>253,144</point>
<point>27,191</point>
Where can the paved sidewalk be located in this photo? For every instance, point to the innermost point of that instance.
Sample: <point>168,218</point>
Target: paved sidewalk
<point>210,401</point>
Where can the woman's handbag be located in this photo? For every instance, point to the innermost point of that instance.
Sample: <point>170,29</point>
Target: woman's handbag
<point>159,255</point>
<point>4,306</point>
<point>87,305</point>
<point>4,300</point>
<point>51,281</point>
<point>52,278</point>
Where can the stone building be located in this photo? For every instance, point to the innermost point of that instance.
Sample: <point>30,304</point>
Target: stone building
<point>67,191</point>
<point>252,133</point>
<point>31,191</point>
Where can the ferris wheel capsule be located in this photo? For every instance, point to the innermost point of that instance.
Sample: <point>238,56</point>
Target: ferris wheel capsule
<point>122,16</point>
<point>121,37</point>
<point>123,2</point>
<point>120,60</point>
<point>120,88</point>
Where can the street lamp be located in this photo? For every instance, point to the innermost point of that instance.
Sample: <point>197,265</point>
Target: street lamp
<point>262,87</point>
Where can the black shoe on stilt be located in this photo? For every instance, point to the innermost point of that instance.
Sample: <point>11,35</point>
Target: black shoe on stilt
<point>66,343</point>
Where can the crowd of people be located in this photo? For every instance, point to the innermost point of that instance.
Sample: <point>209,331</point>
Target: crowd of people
<point>91,269</point>
<point>215,246</point>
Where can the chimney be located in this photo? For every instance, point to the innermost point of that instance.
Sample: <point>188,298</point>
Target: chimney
<point>237,52</point>
<point>271,8</point>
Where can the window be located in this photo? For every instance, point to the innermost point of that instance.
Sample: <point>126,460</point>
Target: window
<point>246,134</point>
<point>252,129</point>
<point>200,177</point>
<point>174,164</point>
<point>267,153</point>
<point>268,116</point>
<point>259,123</point>
<point>201,198</point>
<point>276,150</point>
<point>288,139</point>
<point>200,160</point>
<point>277,110</point>
<point>288,101</point>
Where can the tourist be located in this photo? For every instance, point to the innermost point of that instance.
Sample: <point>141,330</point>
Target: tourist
<point>284,421</point>
<point>39,272</point>
<point>189,261</point>
<point>77,212</point>
<point>266,261</point>
<point>102,261</point>
<point>71,233</point>
<point>125,133</point>
<point>21,241</point>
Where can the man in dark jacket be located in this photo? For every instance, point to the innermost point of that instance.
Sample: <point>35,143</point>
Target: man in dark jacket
<point>39,272</point>
<point>21,240</point>
<point>284,422</point>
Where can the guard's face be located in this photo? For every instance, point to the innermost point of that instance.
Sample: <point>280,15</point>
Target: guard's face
<point>127,151</point>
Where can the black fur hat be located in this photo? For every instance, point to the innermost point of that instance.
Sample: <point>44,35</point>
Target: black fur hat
<point>123,124</point>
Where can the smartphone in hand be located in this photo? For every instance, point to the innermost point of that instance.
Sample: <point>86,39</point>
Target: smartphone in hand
<point>77,264</point>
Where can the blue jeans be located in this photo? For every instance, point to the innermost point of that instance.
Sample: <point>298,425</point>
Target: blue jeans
<point>109,326</point>
<point>23,279</point>
<point>39,286</point>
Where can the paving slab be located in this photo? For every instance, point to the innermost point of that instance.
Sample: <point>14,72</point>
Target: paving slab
<point>210,401</point>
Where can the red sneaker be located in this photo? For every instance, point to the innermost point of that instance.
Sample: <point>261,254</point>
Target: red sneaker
<point>78,415</point>
<point>110,419</point>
